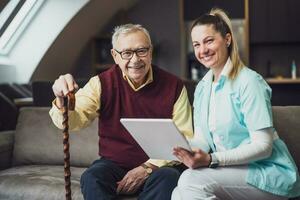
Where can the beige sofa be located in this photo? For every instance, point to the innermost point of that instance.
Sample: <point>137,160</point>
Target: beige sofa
<point>31,157</point>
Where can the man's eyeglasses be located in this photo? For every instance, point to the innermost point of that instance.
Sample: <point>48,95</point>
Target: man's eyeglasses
<point>128,54</point>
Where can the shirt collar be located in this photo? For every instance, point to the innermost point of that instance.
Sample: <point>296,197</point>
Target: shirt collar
<point>149,79</point>
<point>227,68</point>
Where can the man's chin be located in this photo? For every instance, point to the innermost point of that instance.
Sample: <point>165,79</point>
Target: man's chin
<point>137,78</point>
<point>136,72</point>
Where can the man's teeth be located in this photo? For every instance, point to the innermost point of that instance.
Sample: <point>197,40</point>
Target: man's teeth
<point>206,58</point>
<point>135,67</point>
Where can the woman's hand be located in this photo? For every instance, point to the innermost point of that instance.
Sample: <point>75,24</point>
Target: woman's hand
<point>195,159</point>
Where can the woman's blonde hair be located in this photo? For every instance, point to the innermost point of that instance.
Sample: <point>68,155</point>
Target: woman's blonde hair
<point>222,24</point>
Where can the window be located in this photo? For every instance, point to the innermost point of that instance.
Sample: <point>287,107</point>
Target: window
<point>13,19</point>
<point>3,4</point>
<point>13,10</point>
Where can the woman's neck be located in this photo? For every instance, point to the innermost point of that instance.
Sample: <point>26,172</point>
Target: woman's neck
<point>217,73</point>
<point>218,70</point>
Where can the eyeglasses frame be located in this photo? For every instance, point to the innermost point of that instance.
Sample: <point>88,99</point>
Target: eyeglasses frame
<point>133,52</point>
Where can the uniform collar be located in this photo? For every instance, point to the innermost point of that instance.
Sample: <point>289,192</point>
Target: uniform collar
<point>227,68</point>
<point>148,80</point>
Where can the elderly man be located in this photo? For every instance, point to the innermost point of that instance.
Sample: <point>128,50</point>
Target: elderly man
<point>131,88</point>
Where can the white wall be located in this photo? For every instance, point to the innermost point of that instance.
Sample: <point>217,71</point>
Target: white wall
<point>48,22</point>
<point>7,72</point>
<point>52,41</point>
<point>62,55</point>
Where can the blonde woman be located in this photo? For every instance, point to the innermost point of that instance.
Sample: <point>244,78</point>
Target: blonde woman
<point>238,154</point>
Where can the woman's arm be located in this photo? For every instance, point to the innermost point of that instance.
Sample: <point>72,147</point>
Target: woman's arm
<point>259,148</point>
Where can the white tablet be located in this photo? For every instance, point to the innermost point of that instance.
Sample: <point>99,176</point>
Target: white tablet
<point>157,137</point>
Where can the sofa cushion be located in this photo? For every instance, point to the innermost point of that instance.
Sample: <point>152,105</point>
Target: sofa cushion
<point>286,122</point>
<point>6,148</point>
<point>42,182</point>
<point>38,141</point>
<point>38,182</point>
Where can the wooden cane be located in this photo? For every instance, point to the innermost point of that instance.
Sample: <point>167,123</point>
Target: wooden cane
<point>69,104</point>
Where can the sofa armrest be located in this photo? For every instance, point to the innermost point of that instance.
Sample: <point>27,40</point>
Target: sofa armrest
<point>6,148</point>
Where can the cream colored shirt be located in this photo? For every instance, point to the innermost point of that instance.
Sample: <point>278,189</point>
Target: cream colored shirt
<point>88,106</point>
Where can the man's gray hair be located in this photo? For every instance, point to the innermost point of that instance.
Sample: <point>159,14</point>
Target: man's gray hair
<point>126,29</point>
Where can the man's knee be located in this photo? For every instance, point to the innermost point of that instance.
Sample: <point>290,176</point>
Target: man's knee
<point>166,174</point>
<point>160,184</point>
<point>164,179</point>
<point>87,177</point>
<point>98,183</point>
<point>88,180</point>
<point>98,175</point>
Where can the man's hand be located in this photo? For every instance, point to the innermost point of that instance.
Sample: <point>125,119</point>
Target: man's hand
<point>132,181</point>
<point>62,86</point>
<point>194,159</point>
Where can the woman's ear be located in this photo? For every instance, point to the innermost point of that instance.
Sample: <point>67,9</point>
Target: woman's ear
<point>228,39</point>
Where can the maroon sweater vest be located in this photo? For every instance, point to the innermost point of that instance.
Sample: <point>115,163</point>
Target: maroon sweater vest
<point>119,100</point>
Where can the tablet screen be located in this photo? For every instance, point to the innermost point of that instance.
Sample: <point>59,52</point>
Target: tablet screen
<point>157,137</point>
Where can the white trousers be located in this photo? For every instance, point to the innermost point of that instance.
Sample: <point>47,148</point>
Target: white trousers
<point>224,183</point>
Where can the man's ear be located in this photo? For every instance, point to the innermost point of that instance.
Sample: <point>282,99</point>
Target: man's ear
<point>114,55</point>
<point>151,52</point>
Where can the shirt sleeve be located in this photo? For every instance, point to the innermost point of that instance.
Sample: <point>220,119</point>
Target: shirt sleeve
<point>256,103</point>
<point>259,148</point>
<point>182,114</point>
<point>86,107</point>
<point>182,117</point>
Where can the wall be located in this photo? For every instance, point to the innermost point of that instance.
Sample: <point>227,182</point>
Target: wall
<point>63,56</point>
<point>52,41</point>
<point>162,19</point>
<point>47,23</point>
<point>274,61</point>
<point>2,4</point>
<point>274,36</point>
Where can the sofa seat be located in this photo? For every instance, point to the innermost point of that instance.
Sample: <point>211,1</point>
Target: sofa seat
<point>32,160</point>
<point>38,182</point>
<point>31,157</point>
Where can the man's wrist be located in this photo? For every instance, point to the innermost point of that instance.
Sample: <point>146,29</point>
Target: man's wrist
<point>147,168</point>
